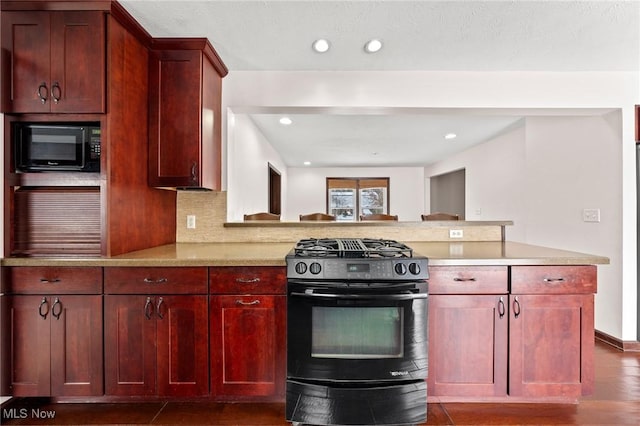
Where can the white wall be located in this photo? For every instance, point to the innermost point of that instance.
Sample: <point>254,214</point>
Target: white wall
<point>542,175</point>
<point>248,180</point>
<point>307,189</point>
<point>440,89</point>
<point>494,180</point>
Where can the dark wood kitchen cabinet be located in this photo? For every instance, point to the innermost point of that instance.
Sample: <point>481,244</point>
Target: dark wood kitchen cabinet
<point>468,334</point>
<point>156,332</point>
<point>185,90</point>
<point>534,341</point>
<point>551,331</point>
<point>54,338</point>
<point>53,61</point>
<point>103,54</point>
<point>248,333</point>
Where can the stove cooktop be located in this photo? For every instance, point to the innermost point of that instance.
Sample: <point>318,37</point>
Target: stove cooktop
<point>355,259</point>
<point>351,248</point>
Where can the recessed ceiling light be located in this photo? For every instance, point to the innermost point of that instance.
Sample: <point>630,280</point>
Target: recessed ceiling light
<point>372,46</point>
<point>450,136</point>
<point>321,45</point>
<point>285,121</point>
<point>307,163</point>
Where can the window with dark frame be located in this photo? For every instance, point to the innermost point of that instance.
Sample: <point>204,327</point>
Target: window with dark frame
<point>348,198</point>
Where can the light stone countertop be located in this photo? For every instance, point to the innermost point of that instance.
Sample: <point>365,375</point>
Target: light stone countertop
<point>273,254</point>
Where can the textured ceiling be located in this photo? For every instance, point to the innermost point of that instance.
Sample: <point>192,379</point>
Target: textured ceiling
<point>417,35</point>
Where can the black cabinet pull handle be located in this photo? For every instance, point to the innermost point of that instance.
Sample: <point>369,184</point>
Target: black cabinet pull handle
<point>248,280</point>
<point>158,311</point>
<point>554,280</point>
<point>464,279</point>
<point>158,281</point>
<point>45,304</point>
<point>51,281</point>
<point>56,92</point>
<point>148,308</point>
<point>242,302</point>
<point>501,307</point>
<point>57,303</point>
<point>43,92</point>
<point>516,307</point>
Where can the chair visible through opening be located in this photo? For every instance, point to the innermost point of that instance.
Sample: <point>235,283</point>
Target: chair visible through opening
<point>378,217</point>
<point>261,216</point>
<point>315,217</point>
<point>440,216</point>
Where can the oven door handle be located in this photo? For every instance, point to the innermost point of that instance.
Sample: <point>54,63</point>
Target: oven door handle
<point>410,296</point>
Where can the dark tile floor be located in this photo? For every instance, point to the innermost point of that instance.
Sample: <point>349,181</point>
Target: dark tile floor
<point>616,401</point>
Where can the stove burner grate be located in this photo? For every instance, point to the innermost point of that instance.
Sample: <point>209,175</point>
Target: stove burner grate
<point>351,248</point>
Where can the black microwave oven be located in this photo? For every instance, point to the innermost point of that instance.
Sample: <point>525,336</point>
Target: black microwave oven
<point>56,147</point>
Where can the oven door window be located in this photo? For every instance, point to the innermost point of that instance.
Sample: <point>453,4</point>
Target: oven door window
<point>357,332</point>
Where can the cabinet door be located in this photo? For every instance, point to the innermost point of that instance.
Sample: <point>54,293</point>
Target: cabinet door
<point>76,346</point>
<point>130,345</point>
<point>551,345</point>
<point>182,341</point>
<point>468,345</point>
<point>78,47</point>
<point>54,62</point>
<point>248,346</point>
<point>25,61</point>
<point>30,342</point>
<point>175,118</point>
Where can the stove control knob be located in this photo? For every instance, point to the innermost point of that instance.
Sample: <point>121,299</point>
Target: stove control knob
<point>414,268</point>
<point>315,268</point>
<point>301,268</point>
<point>400,268</point>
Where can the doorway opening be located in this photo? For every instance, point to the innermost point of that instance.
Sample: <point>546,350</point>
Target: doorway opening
<point>448,193</point>
<point>275,190</point>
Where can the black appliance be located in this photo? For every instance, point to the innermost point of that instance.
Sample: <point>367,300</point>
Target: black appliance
<point>356,333</point>
<point>57,147</point>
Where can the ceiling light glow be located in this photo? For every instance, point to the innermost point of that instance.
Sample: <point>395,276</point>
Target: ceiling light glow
<point>372,46</point>
<point>449,136</point>
<point>321,45</point>
<point>285,121</point>
<point>307,163</point>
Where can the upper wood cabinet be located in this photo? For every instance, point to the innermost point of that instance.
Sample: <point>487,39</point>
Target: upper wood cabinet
<point>185,86</point>
<point>53,62</point>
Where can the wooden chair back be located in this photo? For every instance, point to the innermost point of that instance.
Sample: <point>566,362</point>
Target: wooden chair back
<point>316,217</point>
<point>440,216</point>
<point>261,216</point>
<point>378,217</point>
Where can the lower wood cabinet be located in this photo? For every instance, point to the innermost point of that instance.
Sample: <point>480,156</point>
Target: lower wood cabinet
<point>248,333</point>
<point>468,342</point>
<point>52,332</point>
<point>532,339</point>
<point>156,332</point>
<point>156,345</point>
<point>56,345</point>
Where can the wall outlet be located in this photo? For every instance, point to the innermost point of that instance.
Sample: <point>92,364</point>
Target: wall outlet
<point>191,221</point>
<point>591,215</point>
<point>455,233</point>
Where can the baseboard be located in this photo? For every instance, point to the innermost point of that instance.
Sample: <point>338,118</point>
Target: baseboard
<point>623,345</point>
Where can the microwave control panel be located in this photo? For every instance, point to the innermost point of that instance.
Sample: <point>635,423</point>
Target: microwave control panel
<point>94,143</point>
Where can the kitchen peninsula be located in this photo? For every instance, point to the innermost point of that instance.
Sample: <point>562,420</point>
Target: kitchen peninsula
<point>520,315</point>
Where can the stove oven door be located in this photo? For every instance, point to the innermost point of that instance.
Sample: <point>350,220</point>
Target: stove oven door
<point>356,336</point>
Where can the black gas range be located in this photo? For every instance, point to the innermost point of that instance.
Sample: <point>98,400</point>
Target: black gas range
<point>356,333</point>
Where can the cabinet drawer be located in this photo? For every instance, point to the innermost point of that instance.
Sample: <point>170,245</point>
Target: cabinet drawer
<point>248,280</point>
<point>468,280</point>
<point>150,280</point>
<point>553,279</point>
<point>54,280</point>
